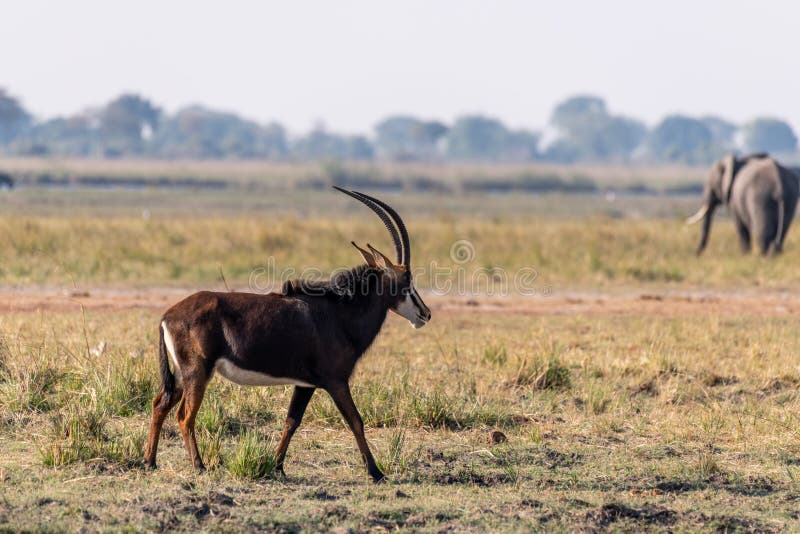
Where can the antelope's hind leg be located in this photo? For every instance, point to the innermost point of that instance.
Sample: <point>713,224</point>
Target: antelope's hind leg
<point>162,405</point>
<point>194,388</point>
<point>297,407</point>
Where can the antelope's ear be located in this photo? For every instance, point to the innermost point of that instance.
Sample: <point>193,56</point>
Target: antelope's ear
<point>369,258</point>
<point>387,263</point>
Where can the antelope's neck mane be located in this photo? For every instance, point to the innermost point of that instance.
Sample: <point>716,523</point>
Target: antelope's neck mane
<point>361,309</point>
<point>342,286</point>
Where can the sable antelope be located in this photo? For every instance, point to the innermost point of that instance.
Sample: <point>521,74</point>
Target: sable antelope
<point>311,335</point>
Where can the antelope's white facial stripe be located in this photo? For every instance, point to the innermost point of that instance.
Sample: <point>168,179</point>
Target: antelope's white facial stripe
<point>245,377</point>
<point>410,308</point>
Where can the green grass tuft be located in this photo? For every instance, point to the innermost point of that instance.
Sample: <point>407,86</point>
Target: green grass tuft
<point>543,374</point>
<point>126,390</point>
<point>254,457</point>
<point>495,355</point>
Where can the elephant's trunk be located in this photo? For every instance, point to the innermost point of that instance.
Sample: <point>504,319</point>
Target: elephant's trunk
<point>707,215</point>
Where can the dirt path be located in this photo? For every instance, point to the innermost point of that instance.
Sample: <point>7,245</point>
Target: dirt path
<point>622,302</point>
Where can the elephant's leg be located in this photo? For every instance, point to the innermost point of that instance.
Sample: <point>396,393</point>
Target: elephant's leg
<point>788,215</point>
<point>744,235</point>
<point>764,240</point>
<point>764,233</point>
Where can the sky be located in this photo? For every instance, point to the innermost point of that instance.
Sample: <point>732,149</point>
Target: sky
<point>347,64</point>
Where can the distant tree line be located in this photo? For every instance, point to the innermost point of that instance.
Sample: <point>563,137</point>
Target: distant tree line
<point>580,129</point>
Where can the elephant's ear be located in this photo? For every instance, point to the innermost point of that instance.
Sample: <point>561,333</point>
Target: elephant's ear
<point>728,174</point>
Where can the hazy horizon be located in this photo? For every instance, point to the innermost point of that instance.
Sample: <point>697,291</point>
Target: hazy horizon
<point>349,64</point>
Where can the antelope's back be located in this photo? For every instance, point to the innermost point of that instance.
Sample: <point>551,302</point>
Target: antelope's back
<point>239,325</point>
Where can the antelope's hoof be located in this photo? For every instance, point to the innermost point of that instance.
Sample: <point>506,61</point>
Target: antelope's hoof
<point>380,479</point>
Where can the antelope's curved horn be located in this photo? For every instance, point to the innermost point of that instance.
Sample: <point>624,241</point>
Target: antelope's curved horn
<point>699,215</point>
<point>406,256</point>
<point>387,222</point>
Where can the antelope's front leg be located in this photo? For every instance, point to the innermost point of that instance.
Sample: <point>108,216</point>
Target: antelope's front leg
<point>344,401</point>
<point>297,407</point>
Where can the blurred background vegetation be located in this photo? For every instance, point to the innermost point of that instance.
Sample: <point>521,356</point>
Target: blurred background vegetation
<point>581,129</point>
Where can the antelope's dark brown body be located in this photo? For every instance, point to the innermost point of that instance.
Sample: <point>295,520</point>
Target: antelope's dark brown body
<point>313,339</point>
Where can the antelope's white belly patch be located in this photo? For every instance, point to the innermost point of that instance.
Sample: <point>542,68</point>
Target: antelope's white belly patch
<point>246,377</point>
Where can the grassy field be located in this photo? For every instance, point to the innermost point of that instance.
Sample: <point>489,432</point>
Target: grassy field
<point>236,203</point>
<point>614,421</point>
<point>289,175</point>
<point>638,388</point>
<point>593,253</point>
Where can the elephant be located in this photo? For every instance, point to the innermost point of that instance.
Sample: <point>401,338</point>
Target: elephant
<point>6,182</point>
<point>761,195</point>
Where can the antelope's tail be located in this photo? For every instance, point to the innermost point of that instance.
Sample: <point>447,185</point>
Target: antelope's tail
<point>167,377</point>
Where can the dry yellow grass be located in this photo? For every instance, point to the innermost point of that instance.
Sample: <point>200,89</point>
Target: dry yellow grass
<point>673,422</point>
<point>668,413</point>
<point>598,252</point>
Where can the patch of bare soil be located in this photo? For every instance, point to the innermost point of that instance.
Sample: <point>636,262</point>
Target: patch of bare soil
<point>615,302</point>
<point>614,512</point>
<point>50,299</point>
